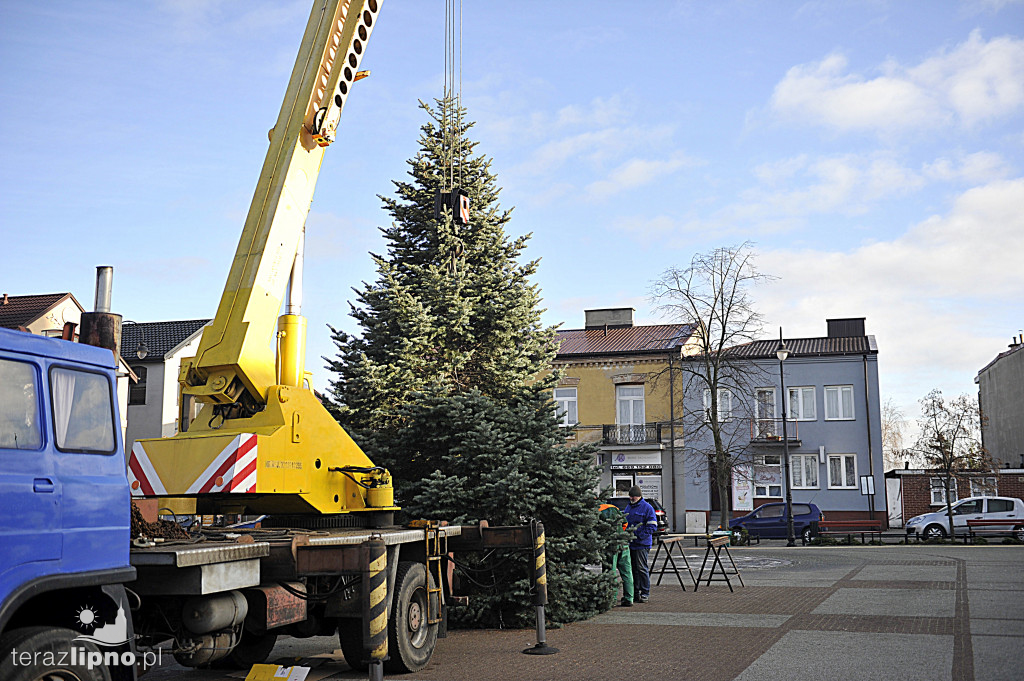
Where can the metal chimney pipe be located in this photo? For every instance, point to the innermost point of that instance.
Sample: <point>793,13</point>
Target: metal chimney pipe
<point>104,281</point>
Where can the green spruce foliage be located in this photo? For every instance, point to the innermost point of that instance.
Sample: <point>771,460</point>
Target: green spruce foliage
<point>448,386</point>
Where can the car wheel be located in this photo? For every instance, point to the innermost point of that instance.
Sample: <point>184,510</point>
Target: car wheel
<point>934,532</point>
<point>807,535</point>
<point>1018,532</point>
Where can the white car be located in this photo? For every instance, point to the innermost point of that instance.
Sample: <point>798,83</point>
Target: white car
<point>936,525</point>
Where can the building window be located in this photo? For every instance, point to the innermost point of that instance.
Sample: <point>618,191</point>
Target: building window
<point>19,406</point>
<point>767,490</point>
<point>842,471</point>
<point>983,487</point>
<point>724,404</point>
<point>768,459</point>
<point>137,391</point>
<point>565,407</point>
<point>939,492</point>
<point>801,404</point>
<point>804,470</point>
<point>764,414</point>
<point>838,402</point>
<point>630,399</point>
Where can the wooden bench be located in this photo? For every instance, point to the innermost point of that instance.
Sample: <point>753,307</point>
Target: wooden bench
<point>850,528</point>
<point>979,526</point>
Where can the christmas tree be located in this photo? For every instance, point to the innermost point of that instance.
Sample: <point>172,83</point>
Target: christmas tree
<point>448,384</point>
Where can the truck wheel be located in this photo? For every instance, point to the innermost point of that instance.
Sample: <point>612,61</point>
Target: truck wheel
<point>350,636</point>
<point>252,649</point>
<point>50,649</point>
<point>410,639</point>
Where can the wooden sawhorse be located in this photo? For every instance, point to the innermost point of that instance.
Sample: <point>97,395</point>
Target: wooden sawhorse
<point>670,542</point>
<point>715,546</point>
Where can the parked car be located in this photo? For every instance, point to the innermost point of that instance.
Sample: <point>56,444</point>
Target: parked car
<point>659,510</point>
<point>768,521</point>
<point>936,525</point>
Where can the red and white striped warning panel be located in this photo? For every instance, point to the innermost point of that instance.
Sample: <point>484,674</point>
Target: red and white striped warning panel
<point>142,477</point>
<point>233,470</point>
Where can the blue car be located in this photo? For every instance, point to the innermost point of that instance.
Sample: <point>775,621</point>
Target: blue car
<point>769,521</point>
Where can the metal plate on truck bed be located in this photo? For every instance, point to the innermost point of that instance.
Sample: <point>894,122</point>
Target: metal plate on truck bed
<point>204,554</point>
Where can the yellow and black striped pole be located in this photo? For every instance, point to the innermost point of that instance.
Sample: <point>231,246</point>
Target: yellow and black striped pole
<point>375,606</point>
<point>540,589</point>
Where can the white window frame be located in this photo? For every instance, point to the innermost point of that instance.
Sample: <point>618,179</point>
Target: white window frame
<point>724,398</point>
<point>757,404</point>
<point>766,490</point>
<point>852,481</point>
<point>806,463</point>
<point>938,492</point>
<point>987,486</point>
<point>841,391</point>
<point>566,407</point>
<point>619,399</point>
<point>762,460</point>
<point>799,414</point>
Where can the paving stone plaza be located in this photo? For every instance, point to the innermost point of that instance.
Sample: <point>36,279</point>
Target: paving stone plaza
<point>869,613</point>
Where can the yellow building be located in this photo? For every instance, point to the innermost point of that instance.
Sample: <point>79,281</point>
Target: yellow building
<point>616,391</point>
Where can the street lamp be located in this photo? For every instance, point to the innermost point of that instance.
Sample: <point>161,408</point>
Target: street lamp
<point>782,353</point>
<point>143,350</point>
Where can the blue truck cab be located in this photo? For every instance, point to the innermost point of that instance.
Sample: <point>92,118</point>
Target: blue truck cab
<point>65,513</point>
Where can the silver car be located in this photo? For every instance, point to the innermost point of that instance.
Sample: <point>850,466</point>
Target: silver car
<point>936,525</point>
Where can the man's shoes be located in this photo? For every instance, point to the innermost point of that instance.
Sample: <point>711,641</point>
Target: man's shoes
<point>625,604</point>
<point>643,599</point>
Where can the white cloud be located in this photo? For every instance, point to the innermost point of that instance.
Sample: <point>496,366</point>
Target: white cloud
<point>977,168</point>
<point>848,183</point>
<point>975,82</point>
<point>634,173</point>
<point>939,298</point>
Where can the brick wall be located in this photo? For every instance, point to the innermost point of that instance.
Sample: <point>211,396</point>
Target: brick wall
<point>917,495</point>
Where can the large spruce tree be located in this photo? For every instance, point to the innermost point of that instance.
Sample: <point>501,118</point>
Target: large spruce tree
<point>448,384</point>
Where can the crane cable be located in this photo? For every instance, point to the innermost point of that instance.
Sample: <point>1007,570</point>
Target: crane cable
<point>451,121</point>
<point>451,113</point>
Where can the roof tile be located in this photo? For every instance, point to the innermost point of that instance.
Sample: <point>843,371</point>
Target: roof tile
<point>161,337</point>
<point>627,339</point>
<point>23,310</point>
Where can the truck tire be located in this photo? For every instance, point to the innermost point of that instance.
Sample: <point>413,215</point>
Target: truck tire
<point>410,639</point>
<point>47,645</point>
<point>350,637</point>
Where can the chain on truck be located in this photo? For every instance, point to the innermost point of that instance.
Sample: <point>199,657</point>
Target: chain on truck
<point>252,439</point>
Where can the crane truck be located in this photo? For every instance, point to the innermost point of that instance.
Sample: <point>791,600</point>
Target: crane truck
<point>79,598</point>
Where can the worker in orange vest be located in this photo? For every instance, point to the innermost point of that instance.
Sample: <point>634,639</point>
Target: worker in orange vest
<point>619,559</point>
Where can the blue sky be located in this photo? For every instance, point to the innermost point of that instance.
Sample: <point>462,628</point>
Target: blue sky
<point>872,150</point>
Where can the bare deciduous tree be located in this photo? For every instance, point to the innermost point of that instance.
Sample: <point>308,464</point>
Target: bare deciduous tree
<point>950,439</point>
<point>894,423</point>
<point>713,295</point>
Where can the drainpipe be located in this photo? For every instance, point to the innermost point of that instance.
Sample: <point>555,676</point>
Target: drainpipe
<point>871,451</point>
<point>672,438</point>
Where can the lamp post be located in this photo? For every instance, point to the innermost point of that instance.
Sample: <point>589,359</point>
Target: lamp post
<point>782,353</point>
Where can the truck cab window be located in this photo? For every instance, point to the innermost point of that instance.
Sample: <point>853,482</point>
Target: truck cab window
<point>19,406</point>
<point>83,412</point>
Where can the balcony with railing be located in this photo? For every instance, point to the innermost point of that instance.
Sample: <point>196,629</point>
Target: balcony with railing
<point>646,434</point>
<point>769,431</point>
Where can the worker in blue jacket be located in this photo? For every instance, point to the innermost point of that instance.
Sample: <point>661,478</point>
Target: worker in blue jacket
<point>643,523</point>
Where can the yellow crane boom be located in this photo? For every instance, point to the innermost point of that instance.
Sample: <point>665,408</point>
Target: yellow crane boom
<point>262,442</point>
